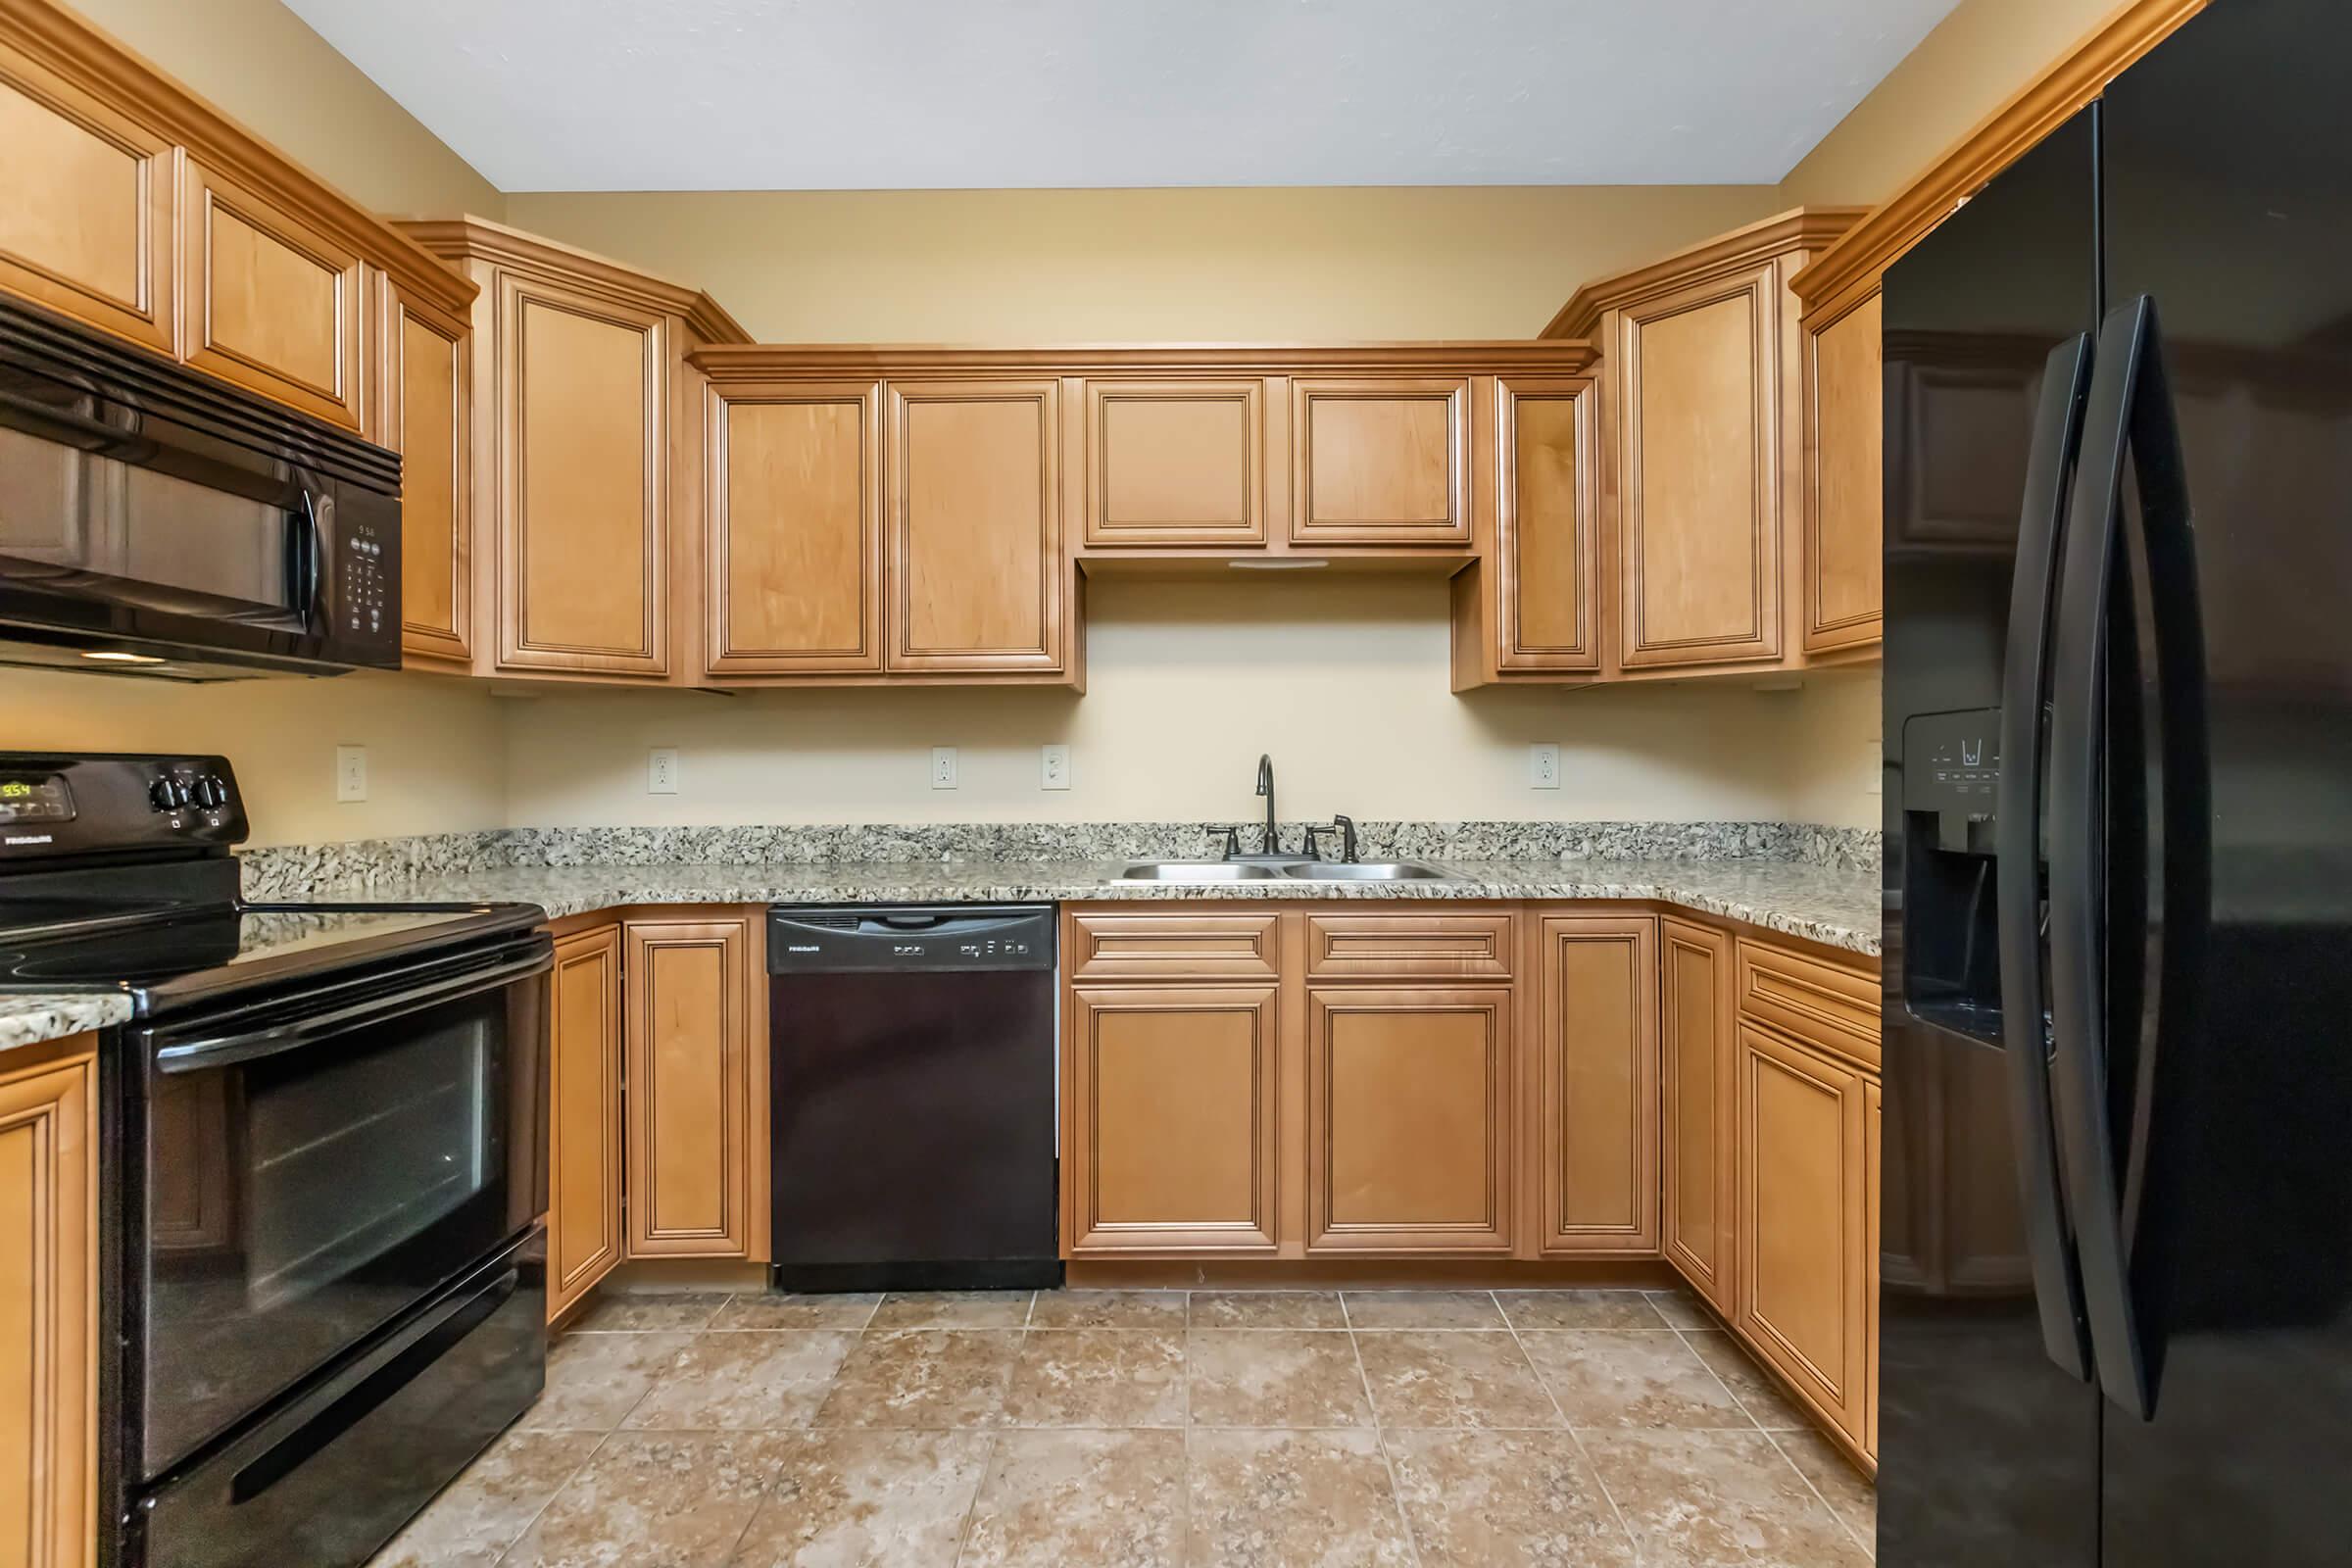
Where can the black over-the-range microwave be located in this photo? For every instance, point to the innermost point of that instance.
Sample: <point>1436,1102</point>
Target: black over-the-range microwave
<point>155,521</point>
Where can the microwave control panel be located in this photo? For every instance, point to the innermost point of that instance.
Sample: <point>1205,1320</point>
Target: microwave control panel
<point>365,569</point>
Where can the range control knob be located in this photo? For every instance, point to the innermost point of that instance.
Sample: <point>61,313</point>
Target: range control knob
<point>163,795</point>
<point>211,792</point>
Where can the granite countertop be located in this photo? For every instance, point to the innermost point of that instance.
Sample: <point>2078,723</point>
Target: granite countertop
<point>1839,907</point>
<point>1829,905</point>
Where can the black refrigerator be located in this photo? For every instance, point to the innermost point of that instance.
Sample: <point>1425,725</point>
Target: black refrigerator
<point>2116,1300</point>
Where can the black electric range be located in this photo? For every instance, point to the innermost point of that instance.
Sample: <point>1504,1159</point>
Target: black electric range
<point>322,1169</point>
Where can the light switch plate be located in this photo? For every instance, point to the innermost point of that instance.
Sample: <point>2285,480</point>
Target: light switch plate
<point>1875,779</point>
<point>351,772</point>
<point>1054,768</point>
<point>661,770</point>
<point>942,767</point>
<point>1543,768</point>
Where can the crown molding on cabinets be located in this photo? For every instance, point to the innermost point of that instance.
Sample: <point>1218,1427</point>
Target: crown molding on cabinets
<point>769,361</point>
<point>1854,263</point>
<point>1742,250</point>
<point>456,240</point>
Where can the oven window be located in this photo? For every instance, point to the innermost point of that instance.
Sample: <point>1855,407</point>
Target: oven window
<point>298,1200</point>
<point>64,506</point>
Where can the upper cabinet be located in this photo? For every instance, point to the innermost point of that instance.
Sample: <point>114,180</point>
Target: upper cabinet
<point>1175,463</point>
<point>1380,459</point>
<point>1736,495</point>
<point>426,397</point>
<point>86,203</point>
<point>129,205</point>
<point>974,497</point>
<point>586,445</point>
<point>1530,604</point>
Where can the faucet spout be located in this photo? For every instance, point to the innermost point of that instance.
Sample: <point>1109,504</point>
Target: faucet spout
<point>1265,787</point>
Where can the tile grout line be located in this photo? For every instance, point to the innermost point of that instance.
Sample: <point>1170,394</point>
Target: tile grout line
<point>569,1476</point>
<point>1767,1433</point>
<point>971,1509</point>
<point>1633,1543</point>
<point>1380,1437</point>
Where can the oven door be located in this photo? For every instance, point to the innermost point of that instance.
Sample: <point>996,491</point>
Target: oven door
<point>313,1167</point>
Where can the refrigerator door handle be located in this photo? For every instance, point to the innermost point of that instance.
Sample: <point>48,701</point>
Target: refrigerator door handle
<point>2017,813</point>
<point>2130,417</point>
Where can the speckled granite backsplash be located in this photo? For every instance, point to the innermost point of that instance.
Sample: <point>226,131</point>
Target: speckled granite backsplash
<point>292,871</point>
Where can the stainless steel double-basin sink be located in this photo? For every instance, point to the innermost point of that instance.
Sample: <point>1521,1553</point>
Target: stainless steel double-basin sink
<point>1282,871</point>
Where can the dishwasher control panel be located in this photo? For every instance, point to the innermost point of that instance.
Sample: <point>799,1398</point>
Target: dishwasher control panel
<point>859,939</point>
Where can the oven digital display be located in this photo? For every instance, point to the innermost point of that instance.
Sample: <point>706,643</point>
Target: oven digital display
<point>35,797</point>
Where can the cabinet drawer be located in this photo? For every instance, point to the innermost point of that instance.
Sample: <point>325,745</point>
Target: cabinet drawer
<point>1173,947</point>
<point>1380,946</point>
<point>1820,1002</point>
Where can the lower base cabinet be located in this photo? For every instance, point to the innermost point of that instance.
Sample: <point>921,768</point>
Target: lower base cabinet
<point>1699,1049</point>
<point>1806,1280</point>
<point>696,1090</point>
<point>1171,1145</point>
<point>49,1306</point>
<point>1596,1089</point>
<point>584,1136</point>
<point>1408,1120</point>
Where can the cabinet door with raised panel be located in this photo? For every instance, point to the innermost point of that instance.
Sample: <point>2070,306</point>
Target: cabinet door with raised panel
<point>273,303</point>
<point>1170,1120</point>
<point>1175,463</point>
<point>49,1308</point>
<point>1844,548</point>
<point>1698,474</point>
<point>1698,1042</point>
<point>792,542</point>
<point>1380,460</point>
<point>1546,556</point>
<point>1596,1090</point>
<point>582,442</point>
<point>978,580</point>
<point>426,409</point>
<point>584,1136</point>
<point>1408,1119</point>
<point>87,205</point>
<point>695,1165</point>
<point>1873,1142</point>
<point>1803,1222</point>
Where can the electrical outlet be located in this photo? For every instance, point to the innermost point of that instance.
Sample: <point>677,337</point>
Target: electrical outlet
<point>1543,768</point>
<point>661,770</point>
<point>1054,768</point>
<point>942,767</point>
<point>351,772</point>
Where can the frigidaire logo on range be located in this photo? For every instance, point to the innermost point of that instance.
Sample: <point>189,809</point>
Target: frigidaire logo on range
<point>31,838</point>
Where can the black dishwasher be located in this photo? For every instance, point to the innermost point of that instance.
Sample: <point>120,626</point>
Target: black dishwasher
<point>912,1076</point>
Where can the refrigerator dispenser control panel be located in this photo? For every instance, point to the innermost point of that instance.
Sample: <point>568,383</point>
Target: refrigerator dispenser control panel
<point>1953,761</point>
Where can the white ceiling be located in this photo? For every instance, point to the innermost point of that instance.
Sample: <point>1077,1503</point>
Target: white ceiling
<point>927,94</point>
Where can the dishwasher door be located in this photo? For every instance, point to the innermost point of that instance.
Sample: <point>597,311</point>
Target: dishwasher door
<point>912,1080</point>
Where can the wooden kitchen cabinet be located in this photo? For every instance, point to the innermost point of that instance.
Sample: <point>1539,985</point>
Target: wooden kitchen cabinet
<point>87,204</point>
<point>979,579</point>
<point>49,1304</point>
<point>273,303</point>
<point>694,1050</point>
<point>1699,1044</point>
<point>585,1179</point>
<point>1170,1119</point>
<point>1408,1120</point>
<point>793,532</point>
<point>1709,458</point>
<point>1842,549</point>
<point>587,446</point>
<point>1380,459</point>
<point>1595,1094</point>
<point>1806,1284</point>
<point>1175,463</point>
<point>426,402</point>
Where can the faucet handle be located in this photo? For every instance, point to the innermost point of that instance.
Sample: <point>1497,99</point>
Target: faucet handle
<point>1313,831</point>
<point>1345,827</point>
<point>1233,839</point>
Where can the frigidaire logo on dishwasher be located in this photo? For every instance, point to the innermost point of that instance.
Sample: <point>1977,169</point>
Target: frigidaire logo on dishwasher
<point>31,838</point>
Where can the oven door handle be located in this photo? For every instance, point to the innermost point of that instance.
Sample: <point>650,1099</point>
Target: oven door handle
<point>225,1050</point>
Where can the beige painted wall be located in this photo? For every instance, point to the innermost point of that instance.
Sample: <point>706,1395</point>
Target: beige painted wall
<point>1342,681</point>
<point>1176,265</point>
<point>1962,70</point>
<point>436,748</point>
<point>437,751</point>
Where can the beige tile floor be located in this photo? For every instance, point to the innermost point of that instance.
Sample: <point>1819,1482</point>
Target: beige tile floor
<point>1447,1429</point>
